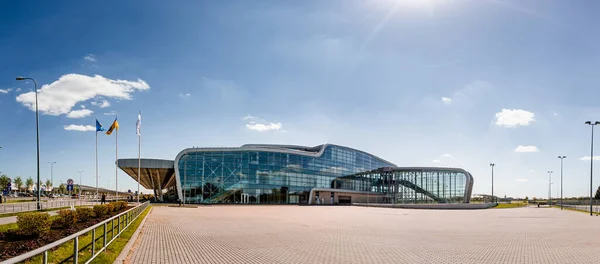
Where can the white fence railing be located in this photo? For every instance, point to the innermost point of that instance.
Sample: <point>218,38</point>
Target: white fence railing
<point>6,208</point>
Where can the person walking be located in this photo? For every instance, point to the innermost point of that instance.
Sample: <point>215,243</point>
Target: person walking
<point>103,199</point>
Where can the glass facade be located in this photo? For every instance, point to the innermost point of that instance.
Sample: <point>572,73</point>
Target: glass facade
<point>266,173</point>
<point>413,185</point>
<point>286,174</point>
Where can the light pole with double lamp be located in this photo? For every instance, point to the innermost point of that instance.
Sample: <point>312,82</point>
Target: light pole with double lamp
<point>492,165</point>
<point>592,165</point>
<point>37,130</point>
<point>561,180</point>
<point>51,173</point>
<point>80,192</point>
<point>550,188</point>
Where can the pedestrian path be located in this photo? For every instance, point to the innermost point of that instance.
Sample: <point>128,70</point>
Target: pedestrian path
<point>13,219</point>
<point>31,206</point>
<point>349,234</point>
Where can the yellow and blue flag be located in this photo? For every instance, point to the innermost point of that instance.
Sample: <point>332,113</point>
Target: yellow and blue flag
<point>99,126</point>
<point>115,125</point>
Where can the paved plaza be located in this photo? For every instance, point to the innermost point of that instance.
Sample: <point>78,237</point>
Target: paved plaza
<point>347,234</point>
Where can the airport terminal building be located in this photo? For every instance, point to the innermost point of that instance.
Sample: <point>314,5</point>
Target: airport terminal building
<point>286,174</point>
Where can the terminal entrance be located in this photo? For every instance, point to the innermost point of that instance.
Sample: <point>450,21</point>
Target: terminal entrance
<point>345,199</point>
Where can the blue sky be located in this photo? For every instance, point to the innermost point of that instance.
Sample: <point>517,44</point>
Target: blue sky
<point>371,75</point>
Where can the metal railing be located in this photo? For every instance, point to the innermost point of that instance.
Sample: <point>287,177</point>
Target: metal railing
<point>582,208</point>
<point>123,220</point>
<point>31,206</point>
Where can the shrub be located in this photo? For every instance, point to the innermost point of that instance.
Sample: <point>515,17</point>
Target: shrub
<point>119,205</point>
<point>66,218</point>
<point>100,210</point>
<point>116,206</point>
<point>34,223</point>
<point>109,207</point>
<point>84,213</point>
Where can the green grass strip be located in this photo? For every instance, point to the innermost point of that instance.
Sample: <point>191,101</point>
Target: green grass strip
<point>510,205</point>
<point>64,253</point>
<point>115,248</point>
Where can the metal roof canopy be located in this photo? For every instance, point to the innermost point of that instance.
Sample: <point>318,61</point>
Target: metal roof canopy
<point>155,173</point>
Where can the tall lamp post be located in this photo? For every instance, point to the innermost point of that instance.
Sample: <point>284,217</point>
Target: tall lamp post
<point>492,165</point>
<point>592,165</point>
<point>561,180</point>
<point>51,173</point>
<point>37,130</point>
<point>550,188</point>
<point>80,172</point>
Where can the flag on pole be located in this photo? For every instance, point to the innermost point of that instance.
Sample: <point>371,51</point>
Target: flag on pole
<point>115,125</point>
<point>138,124</point>
<point>99,126</point>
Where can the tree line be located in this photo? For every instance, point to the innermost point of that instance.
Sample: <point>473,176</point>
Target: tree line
<point>29,183</point>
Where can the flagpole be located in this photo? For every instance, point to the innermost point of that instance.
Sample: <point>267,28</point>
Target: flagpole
<point>138,126</point>
<point>139,165</point>
<point>96,164</point>
<point>116,163</point>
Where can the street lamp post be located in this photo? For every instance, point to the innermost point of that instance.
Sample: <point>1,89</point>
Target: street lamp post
<point>550,188</point>
<point>37,129</point>
<point>592,165</point>
<point>492,165</point>
<point>51,173</point>
<point>561,180</point>
<point>80,172</point>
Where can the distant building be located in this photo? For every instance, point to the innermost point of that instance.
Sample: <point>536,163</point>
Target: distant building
<point>285,174</point>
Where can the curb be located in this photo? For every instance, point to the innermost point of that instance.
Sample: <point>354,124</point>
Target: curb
<point>125,252</point>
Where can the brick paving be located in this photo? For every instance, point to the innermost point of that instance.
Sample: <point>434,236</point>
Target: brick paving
<point>312,234</point>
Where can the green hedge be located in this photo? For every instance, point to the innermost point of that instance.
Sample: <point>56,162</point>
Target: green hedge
<point>84,213</point>
<point>110,207</point>
<point>100,210</point>
<point>34,223</point>
<point>66,218</point>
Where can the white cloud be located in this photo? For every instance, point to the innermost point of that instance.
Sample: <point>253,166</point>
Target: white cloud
<point>588,158</point>
<point>80,128</point>
<point>82,106</point>
<point>18,90</point>
<point>5,91</point>
<point>79,113</point>
<point>184,95</point>
<point>447,155</point>
<point>62,95</point>
<point>514,118</point>
<point>446,100</point>
<point>527,149</point>
<point>436,161</point>
<point>263,127</point>
<point>90,57</point>
<point>522,180</point>
<point>111,113</point>
<point>103,104</point>
<point>531,170</point>
<point>555,114</point>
